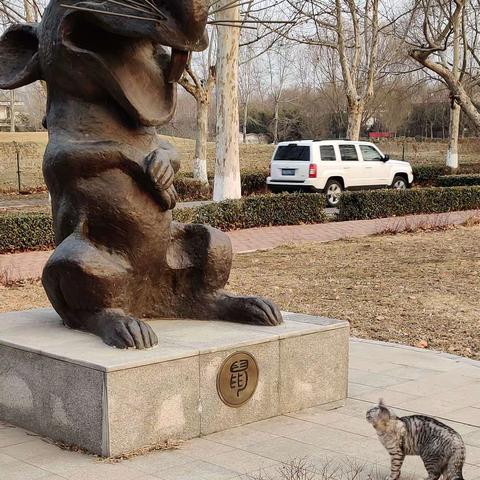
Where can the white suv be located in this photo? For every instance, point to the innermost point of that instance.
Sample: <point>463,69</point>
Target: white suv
<point>332,166</point>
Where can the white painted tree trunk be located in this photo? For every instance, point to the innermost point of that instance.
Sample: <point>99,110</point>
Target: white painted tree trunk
<point>452,154</point>
<point>355,114</point>
<point>227,163</point>
<point>201,137</point>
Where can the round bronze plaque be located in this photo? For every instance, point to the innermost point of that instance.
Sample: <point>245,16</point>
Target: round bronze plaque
<point>237,379</point>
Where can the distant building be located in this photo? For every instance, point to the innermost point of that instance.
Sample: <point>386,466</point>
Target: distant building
<point>5,113</point>
<point>254,138</point>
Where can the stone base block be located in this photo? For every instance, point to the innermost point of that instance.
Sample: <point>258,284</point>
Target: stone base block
<point>69,386</point>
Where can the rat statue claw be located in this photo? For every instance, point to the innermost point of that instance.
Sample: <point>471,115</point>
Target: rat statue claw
<point>161,172</point>
<point>119,256</point>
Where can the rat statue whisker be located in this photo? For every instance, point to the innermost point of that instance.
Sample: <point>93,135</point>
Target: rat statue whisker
<point>107,12</point>
<point>129,4</point>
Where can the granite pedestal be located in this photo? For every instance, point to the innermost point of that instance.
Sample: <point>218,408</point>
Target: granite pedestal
<point>69,386</point>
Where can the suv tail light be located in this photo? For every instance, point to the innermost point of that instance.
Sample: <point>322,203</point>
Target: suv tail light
<point>312,172</point>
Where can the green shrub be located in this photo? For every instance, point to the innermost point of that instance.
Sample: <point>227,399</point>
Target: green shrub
<point>392,203</point>
<point>25,231</point>
<point>458,180</point>
<point>428,175</point>
<point>33,231</point>
<point>258,211</point>
<point>188,189</point>
<point>254,181</point>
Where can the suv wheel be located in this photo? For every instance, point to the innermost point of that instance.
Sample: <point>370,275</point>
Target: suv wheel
<point>333,191</point>
<point>399,183</point>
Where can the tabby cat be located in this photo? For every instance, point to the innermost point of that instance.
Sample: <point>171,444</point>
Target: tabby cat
<point>440,447</point>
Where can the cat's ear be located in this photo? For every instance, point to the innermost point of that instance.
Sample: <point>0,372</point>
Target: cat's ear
<point>19,63</point>
<point>381,403</point>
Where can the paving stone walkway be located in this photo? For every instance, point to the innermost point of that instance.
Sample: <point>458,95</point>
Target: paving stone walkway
<point>410,380</point>
<point>29,265</point>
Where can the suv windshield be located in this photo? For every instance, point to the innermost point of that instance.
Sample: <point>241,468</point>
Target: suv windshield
<point>293,152</point>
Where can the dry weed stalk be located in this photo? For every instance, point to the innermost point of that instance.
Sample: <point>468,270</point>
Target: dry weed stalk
<point>408,225</point>
<point>329,469</point>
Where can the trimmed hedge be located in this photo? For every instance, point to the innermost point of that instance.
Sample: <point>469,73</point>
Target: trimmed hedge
<point>253,182</point>
<point>258,211</point>
<point>458,180</point>
<point>428,175</point>
<point>395,203</point>
<point>25,231</point>
<point>33,231</point>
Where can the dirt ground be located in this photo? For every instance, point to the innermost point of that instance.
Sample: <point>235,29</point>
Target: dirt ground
<point>415,289</point>
<point>408,288</point>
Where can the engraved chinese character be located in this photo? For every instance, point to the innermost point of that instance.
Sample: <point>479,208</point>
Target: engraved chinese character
<point>239,376</point>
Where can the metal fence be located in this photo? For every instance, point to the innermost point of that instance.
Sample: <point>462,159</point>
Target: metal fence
<point>21,167</point>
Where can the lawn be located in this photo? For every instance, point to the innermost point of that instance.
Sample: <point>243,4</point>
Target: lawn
<point>252,157</point>
<point>421,288</point>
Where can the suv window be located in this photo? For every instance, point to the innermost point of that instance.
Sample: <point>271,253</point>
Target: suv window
<point>370,154</point>
<point>327,153</point>
<point>348,153</point>
<point>300,153</point>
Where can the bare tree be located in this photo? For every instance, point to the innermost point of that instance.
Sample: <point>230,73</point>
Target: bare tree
<point>430,47</point>
<point>351,29</point>
<point>440,45</point>
<point>201,89</point>
<point>280,68</point>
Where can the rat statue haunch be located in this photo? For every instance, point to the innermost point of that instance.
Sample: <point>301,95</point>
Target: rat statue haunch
<point>119,255</point>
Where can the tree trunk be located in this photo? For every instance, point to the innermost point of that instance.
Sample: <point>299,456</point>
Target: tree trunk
<point>452,154</point>
<point>275,123</point>
<point>245,120</point>
<point>227,163</point>
<point>12,110</point>
<point>201,138</point>
<point>355,114</point>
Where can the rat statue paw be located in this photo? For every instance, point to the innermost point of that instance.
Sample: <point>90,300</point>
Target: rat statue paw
<point>127,332</point>
<point>159,168</point>
<point>260,311</point>
<point>250,310</point>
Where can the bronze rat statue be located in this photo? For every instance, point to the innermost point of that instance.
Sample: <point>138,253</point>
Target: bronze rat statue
<point>119,256</point>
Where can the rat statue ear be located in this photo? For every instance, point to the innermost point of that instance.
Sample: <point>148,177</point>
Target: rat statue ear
<point>19,63</point>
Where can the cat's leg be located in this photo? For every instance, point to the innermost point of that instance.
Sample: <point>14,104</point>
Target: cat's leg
<point>434,466</point>
<point>396,461</point>
<point>454,468</point>
<point>87,287</point>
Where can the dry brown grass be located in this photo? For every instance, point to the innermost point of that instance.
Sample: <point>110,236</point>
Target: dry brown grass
<point>32,146</point>
<point>408,288</point>
<point>22,137</point>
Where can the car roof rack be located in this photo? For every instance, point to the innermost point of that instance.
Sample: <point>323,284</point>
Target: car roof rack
<point>333,140</point>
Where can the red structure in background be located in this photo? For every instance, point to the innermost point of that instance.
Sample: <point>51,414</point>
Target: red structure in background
<point>381,135</point>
